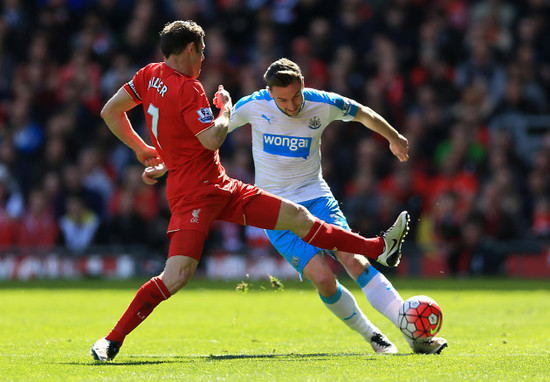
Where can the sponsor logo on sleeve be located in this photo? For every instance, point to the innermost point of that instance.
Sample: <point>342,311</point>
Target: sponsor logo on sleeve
<point>205,115</point>
<point>346,107</point>
<point>133,88</point>
<point>296,147</point>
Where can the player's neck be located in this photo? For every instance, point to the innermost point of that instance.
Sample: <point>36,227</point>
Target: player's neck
<point>178,64</point>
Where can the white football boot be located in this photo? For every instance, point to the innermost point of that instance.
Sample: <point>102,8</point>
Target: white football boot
<point>104,350</point>
<point>432,346</point>
<point>381,344</point>
<point>393,240</point>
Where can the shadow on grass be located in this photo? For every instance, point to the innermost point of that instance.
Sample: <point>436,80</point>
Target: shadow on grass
<point>290,356</point>
<point>297,357</point>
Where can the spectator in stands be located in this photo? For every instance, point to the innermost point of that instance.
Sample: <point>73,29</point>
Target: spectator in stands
<point>408,186</point>
<point>361,203</point>
<point>143,200</point>
<point>127,226</point>
<point>515,100</point>
<point>28,138</point>
<point>95,175</point>
<point>116,74</point>
<point>481,68</point>
<point>476,254</point>
<point>496,17</point>
<point>79,225</point>
<point>38,229</point>
<point>447,227</point>
<point>11,198</point>
<point>72,184</point>
<point>11,206</point>
<point>453,178</point>
<point>463,143</point>
<point>54,159</point>
<point>80,81</point>
<point>540,227</point>
<point>499,209</point>
<point>37,75</point>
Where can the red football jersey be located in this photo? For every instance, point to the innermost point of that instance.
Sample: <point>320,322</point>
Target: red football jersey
<point>177,109</point>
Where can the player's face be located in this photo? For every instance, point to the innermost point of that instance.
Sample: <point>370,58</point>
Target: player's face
<point>289,98</point>
<point>197,57</point>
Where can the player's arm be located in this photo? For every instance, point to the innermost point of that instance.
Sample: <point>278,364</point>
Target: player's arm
<point>114,115</point>
<point>239,117</point>
<point>399,145</point>
<point>213,137</point>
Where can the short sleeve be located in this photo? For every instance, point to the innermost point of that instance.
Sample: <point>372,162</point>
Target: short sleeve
<point>134,87</point>
<point>195,108</point>
<point>238,117</point>
<point>345,109</point>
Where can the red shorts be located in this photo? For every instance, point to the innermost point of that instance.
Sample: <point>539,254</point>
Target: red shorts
<point>232,201</point>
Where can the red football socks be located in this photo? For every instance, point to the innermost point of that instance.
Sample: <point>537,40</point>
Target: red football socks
<point>152,293</point>
<point>328,236</point>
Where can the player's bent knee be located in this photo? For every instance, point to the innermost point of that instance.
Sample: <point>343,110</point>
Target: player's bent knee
<point>353,263</point>
<point>326,285</point>
<point>304,215</point>
<point>296,218</point>
<point>177,272</point>
<point>322,277</point>
<point>175,282</point>
<point>303,219</point>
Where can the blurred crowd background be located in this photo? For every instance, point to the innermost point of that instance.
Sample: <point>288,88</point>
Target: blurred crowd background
<point>467,82</point>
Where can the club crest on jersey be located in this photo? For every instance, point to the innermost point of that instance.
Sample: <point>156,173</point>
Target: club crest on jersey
<point>315,123</point>
<point>296,147</point>
<point>205,115</point>
<point>195,216</point>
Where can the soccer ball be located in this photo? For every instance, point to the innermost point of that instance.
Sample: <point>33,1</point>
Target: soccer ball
<point>420,318</point>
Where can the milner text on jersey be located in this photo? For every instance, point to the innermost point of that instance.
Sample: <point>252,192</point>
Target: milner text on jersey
<point>157,83</point>
<point>287,146</point>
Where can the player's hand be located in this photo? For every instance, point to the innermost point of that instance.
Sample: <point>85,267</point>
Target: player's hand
<point>400,147</point>
<point>149,156</point>
<point>221,97</point>
<point>150,174</point>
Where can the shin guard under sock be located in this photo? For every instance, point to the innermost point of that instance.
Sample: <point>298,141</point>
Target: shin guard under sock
<point>332,237</point>
<point>152,293</point>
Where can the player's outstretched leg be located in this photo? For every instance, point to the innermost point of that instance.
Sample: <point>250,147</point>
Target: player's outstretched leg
<point>177,272</point>
<point>393,240</point>
<point>344,306</point>
<point>386,248</point>
<point>380,293</point>
<point>146,299</point>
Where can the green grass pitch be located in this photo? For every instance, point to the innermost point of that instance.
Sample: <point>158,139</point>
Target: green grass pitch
<point>498,330</point>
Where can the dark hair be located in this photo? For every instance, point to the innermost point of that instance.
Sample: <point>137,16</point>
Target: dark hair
<point>175,36</point>
<point>282,73</point>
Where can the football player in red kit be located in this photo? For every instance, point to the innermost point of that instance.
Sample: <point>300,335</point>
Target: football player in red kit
<point>186,137</point>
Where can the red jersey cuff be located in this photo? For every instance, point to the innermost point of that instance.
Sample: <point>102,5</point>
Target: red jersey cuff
<point>132,92</point>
